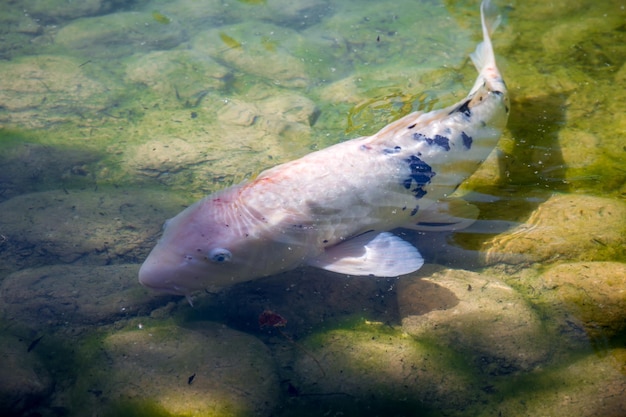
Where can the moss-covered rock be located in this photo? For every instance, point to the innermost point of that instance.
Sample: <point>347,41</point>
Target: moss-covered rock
<point>257,50</point>
<point>367,364</point>
<point>479,316</point>
<point>182,75</point>
<point>63,295</point>
<point>118,34</point>
<point>88,227</point>
<point>576,227</point>
<point>207,370</point>
<point>38,91</point>
<point>24,380</point>
<point>589,296</point>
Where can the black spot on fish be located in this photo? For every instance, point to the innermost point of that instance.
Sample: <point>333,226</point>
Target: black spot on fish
<point>414,211</point>
<point>421,174</point>
<point>467,140</point>
<point>439,140</point>
<point>463,108</point>
<point>411,126</point>
<point>442,141</point>
<point>392,151</point>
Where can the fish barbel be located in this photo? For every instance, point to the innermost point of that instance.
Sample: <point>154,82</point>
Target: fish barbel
<point>334,208</point>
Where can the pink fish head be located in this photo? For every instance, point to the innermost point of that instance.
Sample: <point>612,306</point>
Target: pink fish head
<point>213,243</point>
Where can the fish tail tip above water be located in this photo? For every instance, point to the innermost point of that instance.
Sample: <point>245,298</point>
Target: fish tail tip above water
<point>483,56</point>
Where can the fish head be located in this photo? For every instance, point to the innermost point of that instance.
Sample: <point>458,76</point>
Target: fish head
<point>211,244</point>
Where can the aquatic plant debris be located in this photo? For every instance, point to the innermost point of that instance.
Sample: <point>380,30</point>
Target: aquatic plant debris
<point>229,41</point>
<point>161,18</point>
<point>270,319</point>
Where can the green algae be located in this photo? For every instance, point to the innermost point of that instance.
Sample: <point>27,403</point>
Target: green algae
<point>229,41</point>
<point>161,18</point>
<point>137,408</point>
<point>86,379</point>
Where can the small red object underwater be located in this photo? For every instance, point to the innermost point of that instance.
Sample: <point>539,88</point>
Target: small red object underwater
<point>270,319</point>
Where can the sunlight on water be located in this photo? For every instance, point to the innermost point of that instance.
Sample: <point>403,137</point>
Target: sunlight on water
<point>114,116</point>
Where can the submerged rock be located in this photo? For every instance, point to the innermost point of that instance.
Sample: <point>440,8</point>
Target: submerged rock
<point>587,386</point>
<point>118,34</point>
<point>37,91</point>
<point>51,296</point>
<point>285,114</point>
<point>591,295</point>
<point>185,76</point>
<point>370,365</point>
<point>91,227</point>
<point>261,50</point>
<point>58,10</point>
<point>205,370</point>
<point>477,315</point>
<point>222,141</point>
<point>28,167</point>
<point>24,381</point>
<point>576,227</point>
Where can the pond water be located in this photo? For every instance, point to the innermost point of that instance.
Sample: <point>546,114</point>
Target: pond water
<point>116,115</point>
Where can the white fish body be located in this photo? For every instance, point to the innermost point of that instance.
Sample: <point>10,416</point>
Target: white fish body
<point>333,208</point>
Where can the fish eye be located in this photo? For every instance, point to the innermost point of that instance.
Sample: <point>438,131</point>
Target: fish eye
<point>220,255</point>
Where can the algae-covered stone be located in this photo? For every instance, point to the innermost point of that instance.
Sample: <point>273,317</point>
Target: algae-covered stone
<point>296,14</point>
<point>199,154</point>
<point>376,34</point>
<point>590,293</point>
<point>180,74</point>
<point>258,49</point>
<point>36,91</point>
<point>370,363</point>
<point>118,34</point>
<point>577,227</point>
<point>24,381</point>
<point>285,114</point>
<point>92,227</point>
<point>59,10</point>
<point>167,155</point>
<point>198,15</point>
<point>28,167</point>
<point>74,295</point>
<point>589,386</point>
<point>226,140</point>
<point>479,316</point>
<point>207,370</point>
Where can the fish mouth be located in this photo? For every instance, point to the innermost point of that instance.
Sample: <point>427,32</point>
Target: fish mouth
<point>171,290</point>
<point>152,276</point>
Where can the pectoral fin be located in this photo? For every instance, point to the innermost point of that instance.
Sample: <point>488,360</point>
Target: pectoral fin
<point>378,254</point>
<point>444,216</point>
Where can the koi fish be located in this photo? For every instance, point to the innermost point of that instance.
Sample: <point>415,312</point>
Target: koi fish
<point>333,209</point>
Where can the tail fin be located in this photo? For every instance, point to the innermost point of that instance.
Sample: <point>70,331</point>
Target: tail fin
<point>483,55</point>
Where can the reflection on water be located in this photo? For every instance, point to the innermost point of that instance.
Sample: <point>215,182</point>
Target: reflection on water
<point>115,115</point>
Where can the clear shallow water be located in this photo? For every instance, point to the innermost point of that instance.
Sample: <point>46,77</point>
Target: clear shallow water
<point>113,118</point>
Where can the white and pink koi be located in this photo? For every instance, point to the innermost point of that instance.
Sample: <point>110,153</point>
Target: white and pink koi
<point>334,208</point>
